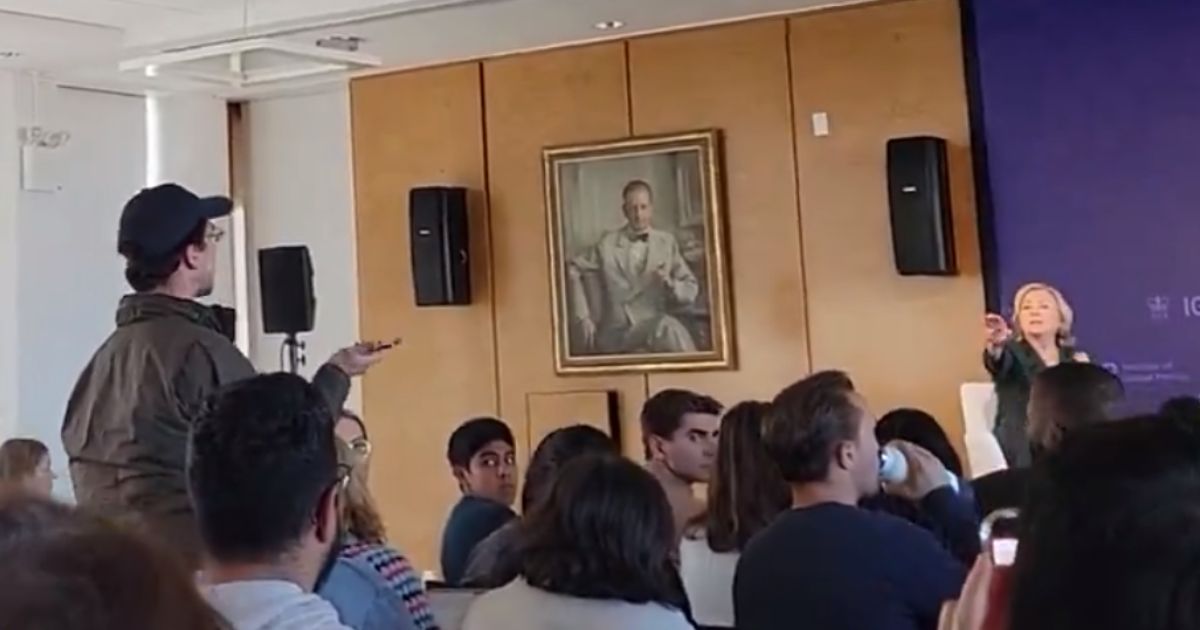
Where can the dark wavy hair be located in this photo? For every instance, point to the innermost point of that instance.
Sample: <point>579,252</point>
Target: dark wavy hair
<point>807,421</point>
<point>471,436</point>
<point>922,429</point>
<point>558,448</point>
<point>746,491</point>
<point>261,462</point>
<point>1110,535</point>
<point>663,413</point>
<point>605,532</point>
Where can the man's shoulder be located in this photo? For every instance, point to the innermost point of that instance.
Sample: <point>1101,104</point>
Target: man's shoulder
<point>476,508</point>
<point>271,605</point>
<point>819,526</point>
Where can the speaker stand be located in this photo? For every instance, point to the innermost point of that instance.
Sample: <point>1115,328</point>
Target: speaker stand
<point>295,352</point>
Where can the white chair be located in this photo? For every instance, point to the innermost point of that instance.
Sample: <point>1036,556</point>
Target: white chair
<point>979,417</point>
<point>449,605</point>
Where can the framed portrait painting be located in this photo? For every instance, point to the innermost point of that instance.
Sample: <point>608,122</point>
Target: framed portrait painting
<point>638,274</point>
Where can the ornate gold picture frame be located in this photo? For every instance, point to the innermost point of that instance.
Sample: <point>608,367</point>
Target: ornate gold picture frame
<point>636,232</point>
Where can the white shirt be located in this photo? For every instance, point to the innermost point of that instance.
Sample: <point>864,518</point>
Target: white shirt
<point>271,605</point>
<point>708,580</point>
<point>637,255</point>
<point>519,606</point>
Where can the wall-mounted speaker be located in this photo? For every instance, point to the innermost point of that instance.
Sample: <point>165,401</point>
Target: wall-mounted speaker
<point>285,277</point>
<point>919,201</point>
<point>441,259</point>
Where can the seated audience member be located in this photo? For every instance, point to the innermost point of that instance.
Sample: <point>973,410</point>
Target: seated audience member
<point>372,586</point>
<point>1185,407</point>
<point>26,463</point>
<point>597,556</point>
<point>1110,537</point>
<point>679,432</point>
<point>920,428</point>
<point>746,492</point>
<point>484,464</point>
<point>827,563</point>
<point>351,430</point>
<point>264,478</point>
<point>1062,399</point>
<point>68,570</point>
<point>496,560</point>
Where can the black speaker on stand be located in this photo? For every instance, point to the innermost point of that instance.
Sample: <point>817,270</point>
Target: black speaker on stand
<point>919,200</point>
<point>285,276</point>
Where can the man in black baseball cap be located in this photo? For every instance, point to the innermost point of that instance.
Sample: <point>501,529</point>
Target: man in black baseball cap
<point>158,226</point>
<point>127,422</point>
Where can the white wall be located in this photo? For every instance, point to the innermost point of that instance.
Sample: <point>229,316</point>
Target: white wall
<point>70,277</point>
<point>300,194</point>
<point>8,253</point>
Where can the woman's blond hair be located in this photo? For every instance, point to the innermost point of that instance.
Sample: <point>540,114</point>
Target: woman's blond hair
<point>1066,315</point>
<point>360,517</point>
<point>19,458</point>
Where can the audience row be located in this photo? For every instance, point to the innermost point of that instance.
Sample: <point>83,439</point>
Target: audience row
<point>797,529</point>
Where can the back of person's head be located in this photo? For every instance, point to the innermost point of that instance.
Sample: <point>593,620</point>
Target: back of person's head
<point>68,570</point>
<point>662,414</point>
<point>1068,396</point>
<point>360,515</point>
<point>164,231</point>
<point>809,422</point>
<point>1110,537</point>
<point>605,532</point>
<point>146,272</point>
<point>746,491</point>
<point>922,429</point>
<point>19,459</point>
<point>263,468</point>
<point>1182,407</point>
<point>559,447</point>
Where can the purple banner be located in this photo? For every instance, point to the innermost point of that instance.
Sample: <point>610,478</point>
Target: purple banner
<point>1091,113</point>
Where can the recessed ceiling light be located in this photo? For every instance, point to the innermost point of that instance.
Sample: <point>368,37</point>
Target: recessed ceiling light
<point>609,25</point>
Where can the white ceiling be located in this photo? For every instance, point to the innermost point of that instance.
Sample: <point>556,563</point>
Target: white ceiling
<point>81,41</point>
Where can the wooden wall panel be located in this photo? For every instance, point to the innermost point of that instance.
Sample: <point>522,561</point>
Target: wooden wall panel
<point>535,101</point>
<point>808,228</point>
<point>735,78</point>
<point>549,412</point>
<point>883,71</point>
<point>412,129</point>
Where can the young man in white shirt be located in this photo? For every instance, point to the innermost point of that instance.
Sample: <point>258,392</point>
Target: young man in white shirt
<point>264,477</point>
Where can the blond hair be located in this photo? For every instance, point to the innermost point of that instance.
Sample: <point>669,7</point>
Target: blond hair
<point>1066,315</point>
<point>360,516</point>
<point>19,458</point>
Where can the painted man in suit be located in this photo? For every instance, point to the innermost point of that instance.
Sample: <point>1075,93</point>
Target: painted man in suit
<point>641,277</point>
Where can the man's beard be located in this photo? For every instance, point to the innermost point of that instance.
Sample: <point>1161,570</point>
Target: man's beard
<point>206,289</point>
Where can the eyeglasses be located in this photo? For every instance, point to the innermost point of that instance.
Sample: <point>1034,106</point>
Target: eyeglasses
<point>214,234</point>
<point>361,447</point>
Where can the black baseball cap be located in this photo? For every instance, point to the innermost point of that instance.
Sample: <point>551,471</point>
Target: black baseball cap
<point>157,220</point>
